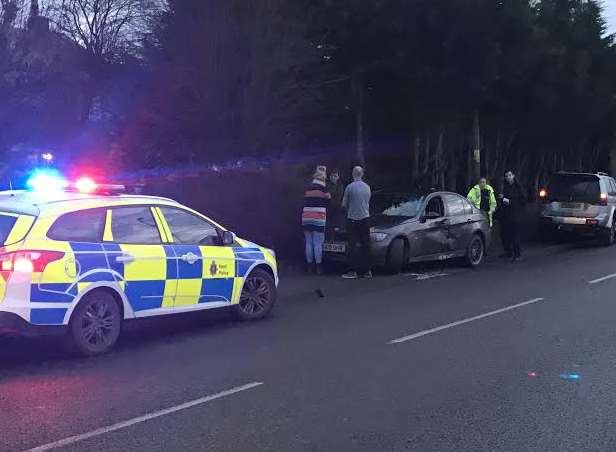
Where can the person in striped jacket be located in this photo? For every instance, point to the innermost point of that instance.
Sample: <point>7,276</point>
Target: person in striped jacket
<point>314,219</point>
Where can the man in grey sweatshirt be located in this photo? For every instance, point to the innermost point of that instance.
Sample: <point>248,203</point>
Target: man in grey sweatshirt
<point>356,201</point>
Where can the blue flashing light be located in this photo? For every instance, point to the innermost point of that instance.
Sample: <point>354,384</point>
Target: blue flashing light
<point>570,377</point>
<point>48,180</point>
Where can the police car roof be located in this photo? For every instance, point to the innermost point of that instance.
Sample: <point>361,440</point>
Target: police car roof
<point>33,202</point>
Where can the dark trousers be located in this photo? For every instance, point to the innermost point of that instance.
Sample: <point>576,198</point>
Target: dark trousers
<point>359,245</point>
<point>510,236</point>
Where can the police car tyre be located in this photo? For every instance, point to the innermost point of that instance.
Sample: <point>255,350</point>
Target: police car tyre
<point>258,296</point>
<point>475,251</point>
<point>95,324</point>
<point>395,257</point>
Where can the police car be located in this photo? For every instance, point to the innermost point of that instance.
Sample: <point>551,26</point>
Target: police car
<point>82,259</point>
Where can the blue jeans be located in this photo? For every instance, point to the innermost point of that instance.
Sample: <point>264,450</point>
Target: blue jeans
<point>314,246</point>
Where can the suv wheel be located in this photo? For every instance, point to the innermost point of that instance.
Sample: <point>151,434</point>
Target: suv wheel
<point>610,234</point>
<point>258,296</point>
<point>95,325</point>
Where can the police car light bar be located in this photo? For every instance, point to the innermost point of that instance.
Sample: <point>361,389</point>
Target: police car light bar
<point>89,186</point>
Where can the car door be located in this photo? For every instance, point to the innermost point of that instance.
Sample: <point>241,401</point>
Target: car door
<point>146,264</point>
<point>459,214</point>
<point>431,232</point>
<point>611,191</point>
<point>206,268</point>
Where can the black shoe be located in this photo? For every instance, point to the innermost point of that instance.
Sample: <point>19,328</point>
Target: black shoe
<point>309,269</point>
<point>319,269</point>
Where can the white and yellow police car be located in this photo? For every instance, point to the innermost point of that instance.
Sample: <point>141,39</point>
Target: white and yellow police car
<point>82,262</point>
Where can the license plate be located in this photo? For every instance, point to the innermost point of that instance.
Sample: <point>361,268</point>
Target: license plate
<point>334,247</point>
<point>571,205</point>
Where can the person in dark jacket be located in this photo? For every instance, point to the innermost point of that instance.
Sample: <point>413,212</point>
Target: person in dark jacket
<point>336,213</point>
<point>314,219</point>
<point>513,204</point>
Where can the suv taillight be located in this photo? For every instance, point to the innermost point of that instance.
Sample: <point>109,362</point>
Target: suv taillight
<point>28,261</point>
<point>603,199</point>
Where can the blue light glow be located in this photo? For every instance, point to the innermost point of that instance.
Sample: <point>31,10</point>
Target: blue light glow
<point>46,180</point>
<point>571,377</point>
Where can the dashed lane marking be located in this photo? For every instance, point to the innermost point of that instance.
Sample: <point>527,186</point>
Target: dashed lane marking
<point>462,322</point>
<point>603,278</point>
<point>147,417</point>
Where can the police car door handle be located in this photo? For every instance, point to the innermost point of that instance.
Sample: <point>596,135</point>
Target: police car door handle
<point>125,258</point>
<point>191,258</point>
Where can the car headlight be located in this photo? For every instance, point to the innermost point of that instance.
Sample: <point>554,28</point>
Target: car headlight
<point>378,236</point>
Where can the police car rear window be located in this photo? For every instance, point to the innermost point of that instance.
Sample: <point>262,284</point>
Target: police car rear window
<point>81,226</point>
<point>6,226</point>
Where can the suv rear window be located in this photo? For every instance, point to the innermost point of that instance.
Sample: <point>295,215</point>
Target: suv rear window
<point>81,226</point>
<point>574,187</point>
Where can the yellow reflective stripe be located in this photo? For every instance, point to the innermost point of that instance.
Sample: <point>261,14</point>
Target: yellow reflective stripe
<point>238,284</point>
<point>20,229</point>
<point>108,233</point>
<point>269,258</point>
<point>161,221</point>
<point>150,263</point>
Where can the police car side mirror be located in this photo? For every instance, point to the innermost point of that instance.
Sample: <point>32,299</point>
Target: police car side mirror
<point>228,238</point>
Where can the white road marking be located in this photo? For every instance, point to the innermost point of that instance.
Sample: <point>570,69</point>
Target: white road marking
<point>603,278</point>
<point>424,276</point>
<point>144,418</point>
<point>462,322</point>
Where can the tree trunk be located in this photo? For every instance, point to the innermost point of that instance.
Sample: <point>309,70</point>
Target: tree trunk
<point>426,158</point>
<point>438,159</point>
<point>357,82</point>
<point>476,158</point>
<point>415,158</point>
<point>612,158</point>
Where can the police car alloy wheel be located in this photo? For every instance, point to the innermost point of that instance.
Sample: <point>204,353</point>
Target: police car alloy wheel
<point>95,325</point>
<point>258,295</point>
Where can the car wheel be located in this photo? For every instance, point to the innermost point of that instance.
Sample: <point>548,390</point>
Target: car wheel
<point>95,325</point>
<point>610,235</point>
<point>395,257</point>
<point>475,251</point>
<point>258,296</point>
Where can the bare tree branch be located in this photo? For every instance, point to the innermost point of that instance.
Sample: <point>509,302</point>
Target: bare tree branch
<point>105,28</point>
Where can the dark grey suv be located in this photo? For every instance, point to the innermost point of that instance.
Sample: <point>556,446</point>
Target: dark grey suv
<point>582,203</point>
<point>418,227</point>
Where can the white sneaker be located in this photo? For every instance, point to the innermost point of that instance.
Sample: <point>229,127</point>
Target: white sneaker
<point>350,275</point>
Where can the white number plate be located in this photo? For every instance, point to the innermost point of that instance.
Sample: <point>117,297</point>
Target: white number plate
<point>334,247</point>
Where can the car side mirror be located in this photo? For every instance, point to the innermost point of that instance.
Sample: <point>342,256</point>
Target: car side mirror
<point>228,238</point>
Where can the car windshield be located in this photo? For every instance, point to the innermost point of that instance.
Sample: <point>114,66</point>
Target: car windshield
<point>397,204</point>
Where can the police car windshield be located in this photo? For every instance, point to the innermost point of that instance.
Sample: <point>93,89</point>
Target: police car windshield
<point>398,204</point>
<point>6,226</point>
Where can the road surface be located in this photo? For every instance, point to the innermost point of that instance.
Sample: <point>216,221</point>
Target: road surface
<point>451,359</point>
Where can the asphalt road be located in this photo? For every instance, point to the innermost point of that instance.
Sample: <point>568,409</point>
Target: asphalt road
<point>477,367</point>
